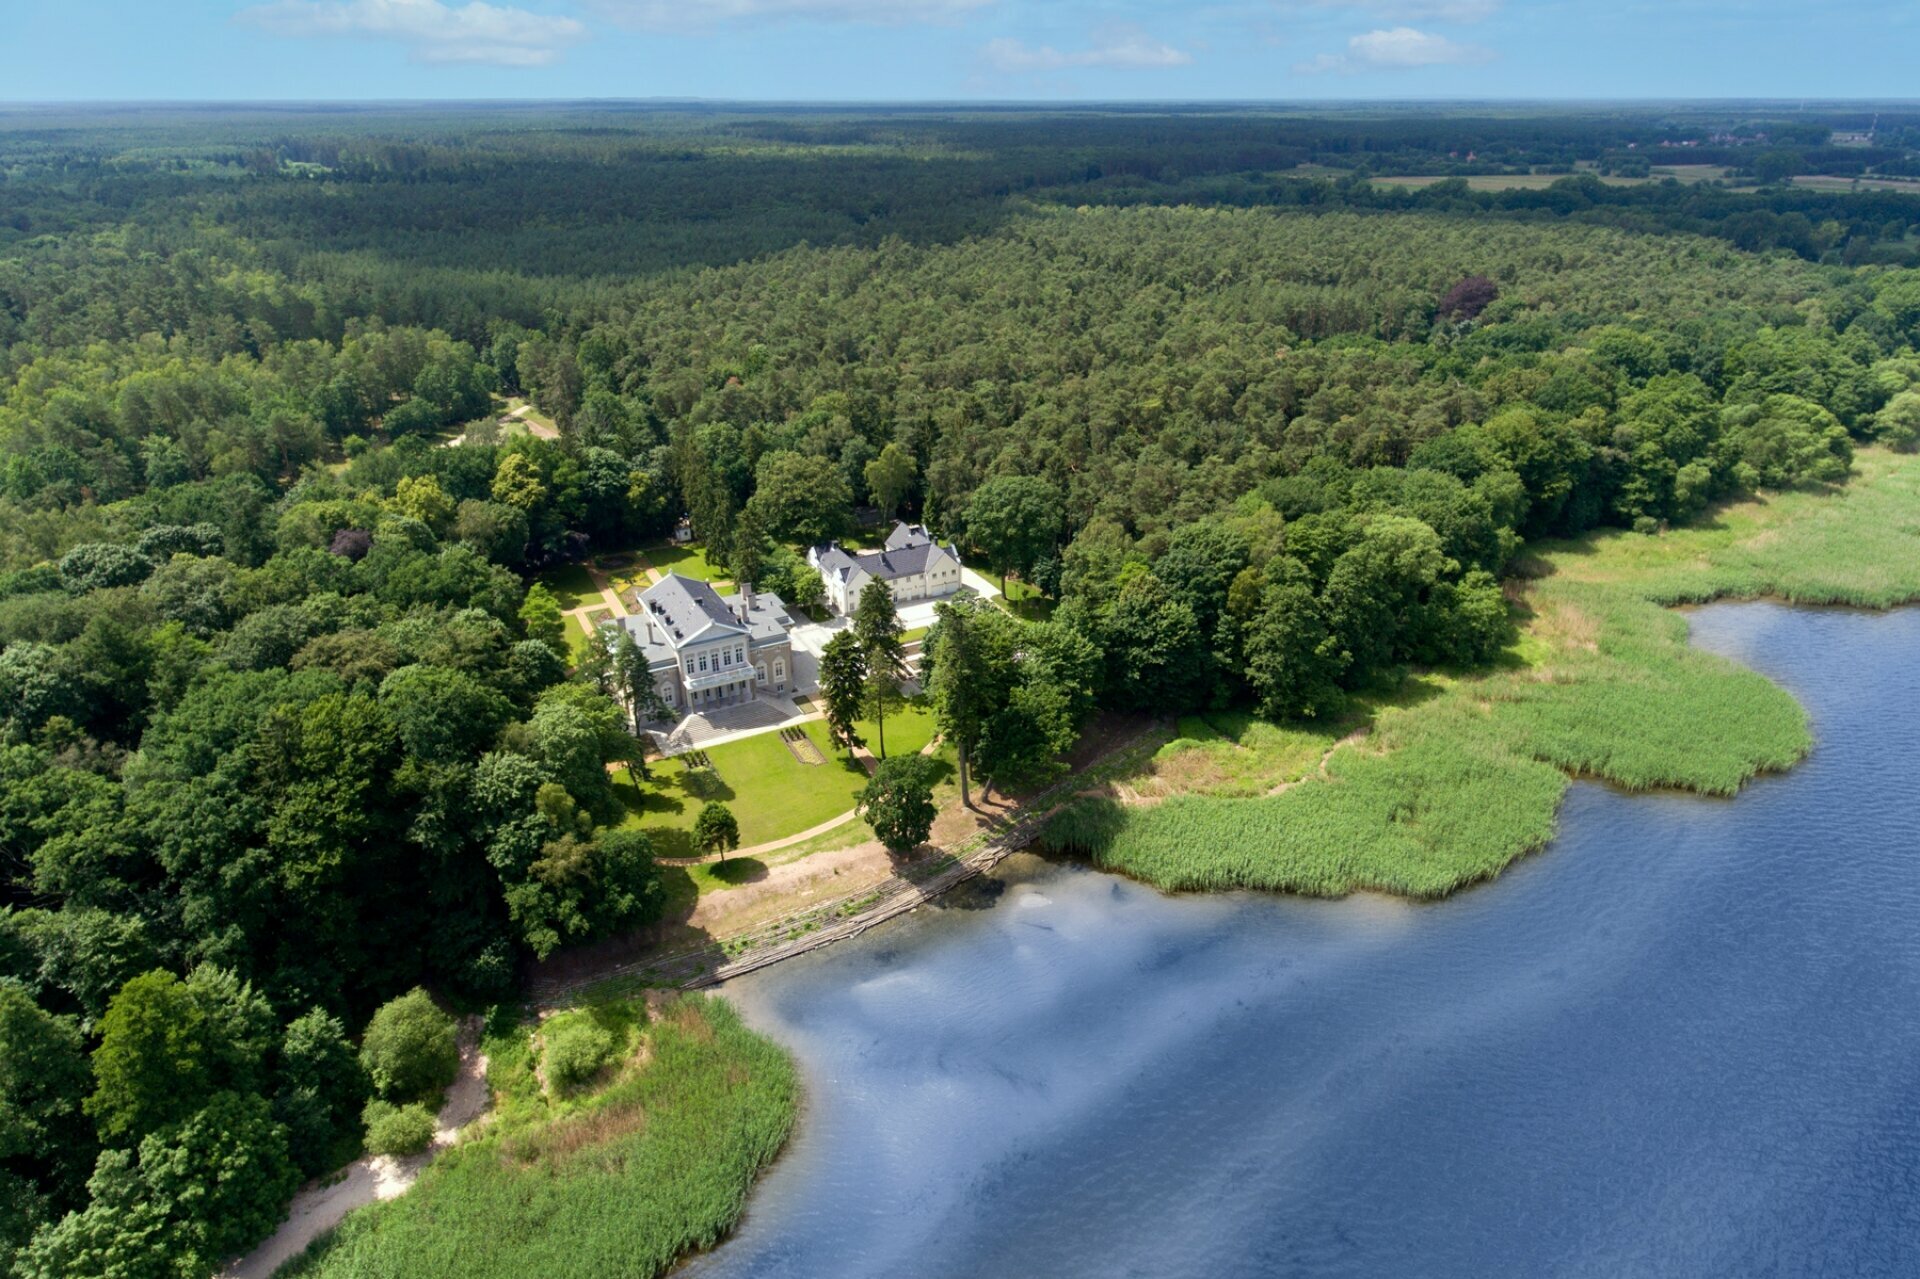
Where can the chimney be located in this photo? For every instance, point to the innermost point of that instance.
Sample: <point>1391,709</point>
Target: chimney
<point>746,602</point>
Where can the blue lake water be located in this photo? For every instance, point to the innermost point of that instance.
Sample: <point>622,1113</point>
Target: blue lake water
<point>1684,1040</point>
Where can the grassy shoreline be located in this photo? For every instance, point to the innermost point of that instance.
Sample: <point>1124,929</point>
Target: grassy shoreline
<point>650,1162</point>
<point>1459,775</point>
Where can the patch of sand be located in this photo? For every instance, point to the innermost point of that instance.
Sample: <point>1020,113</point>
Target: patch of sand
<point>792,886</point>
<point>321,1205</point>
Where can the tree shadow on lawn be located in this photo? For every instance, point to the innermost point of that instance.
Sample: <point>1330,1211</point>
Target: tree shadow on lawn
<point>736,871</point>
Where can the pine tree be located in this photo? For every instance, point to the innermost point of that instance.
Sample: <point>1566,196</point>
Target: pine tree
<point>843,687</point>
<point>956,686</point>
<point>876,625</point>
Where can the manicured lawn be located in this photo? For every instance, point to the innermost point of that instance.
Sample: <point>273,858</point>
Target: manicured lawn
<point>578,635</point>
<point>570,585</point>
<point>772,794</point>
<point>1022,599</point>
<point>909,728</point>
<point>688,561</point>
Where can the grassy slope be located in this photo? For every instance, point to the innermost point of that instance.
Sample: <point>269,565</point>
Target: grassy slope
<point>617,1185</point>
<point>1462,775</point>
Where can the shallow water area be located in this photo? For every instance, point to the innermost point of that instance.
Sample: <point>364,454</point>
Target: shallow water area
<point>1681,1041</point>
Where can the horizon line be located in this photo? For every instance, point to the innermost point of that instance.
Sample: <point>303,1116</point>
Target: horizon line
<point>1798,102</point>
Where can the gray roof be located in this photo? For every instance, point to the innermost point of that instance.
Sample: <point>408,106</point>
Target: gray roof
<point>677,611</point>
<point>905,534</point>
<point>903,562</point>
<point>831,559</point>
<point>907,552</point>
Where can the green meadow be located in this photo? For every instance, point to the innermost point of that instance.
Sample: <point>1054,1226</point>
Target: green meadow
<point>616,1180</point>
<point>1456,776</point>
<point>771,792</point>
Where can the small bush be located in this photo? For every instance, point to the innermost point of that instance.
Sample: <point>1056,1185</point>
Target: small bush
<point>397,1130</point>
<point>626,1182</point>
<point>410,1051</point>
<point>576,1050</point>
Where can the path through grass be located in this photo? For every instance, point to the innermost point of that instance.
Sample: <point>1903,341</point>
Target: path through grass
<point>772,794</point>
<point>617,1183</point>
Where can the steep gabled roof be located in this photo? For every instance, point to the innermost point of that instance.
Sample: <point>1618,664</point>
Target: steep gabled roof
<point>829,558</point>
<point>905,535</point>
<point>908,561</point>
<point>688,610</point>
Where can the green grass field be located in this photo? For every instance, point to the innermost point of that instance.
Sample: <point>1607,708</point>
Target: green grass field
<point>688,561</point>
<point>1463,774</point>
<point>772,794</point>
<point>615,1183</point>
<point>571,585</point>
<point>579,632</point>
<point>1238,755</point>
<point>909,728</point>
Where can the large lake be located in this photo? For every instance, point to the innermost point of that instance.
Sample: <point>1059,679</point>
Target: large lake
<point>1683,1041</point>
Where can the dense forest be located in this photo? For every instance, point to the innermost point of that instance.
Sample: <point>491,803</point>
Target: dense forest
<point>284,734</point>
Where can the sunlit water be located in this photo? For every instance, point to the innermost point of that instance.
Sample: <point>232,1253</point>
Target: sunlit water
<point>1684,1040</point>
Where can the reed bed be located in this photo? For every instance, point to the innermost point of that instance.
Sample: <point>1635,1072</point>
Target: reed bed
<point>1449,789</point>
<point>619,1185</point>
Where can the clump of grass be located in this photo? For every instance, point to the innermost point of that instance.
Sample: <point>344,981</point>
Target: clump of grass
<point>618,1184</point>
<point>1237,755</point>
<point>1451,787</point>
<point>574,1051</point>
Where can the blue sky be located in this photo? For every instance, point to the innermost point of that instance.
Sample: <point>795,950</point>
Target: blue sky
<point>842,50</point>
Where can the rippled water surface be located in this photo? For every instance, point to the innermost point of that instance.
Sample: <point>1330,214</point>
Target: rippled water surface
<point>1685,1040</point>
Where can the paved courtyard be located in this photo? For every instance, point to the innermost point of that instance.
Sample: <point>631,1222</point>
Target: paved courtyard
<point>725,723</point>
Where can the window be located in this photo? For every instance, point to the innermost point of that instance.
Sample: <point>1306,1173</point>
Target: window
<point>689,666</point>
<point>703,661</point>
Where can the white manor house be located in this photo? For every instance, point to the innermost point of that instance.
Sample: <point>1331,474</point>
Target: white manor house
<point>707,650</point>
<point>914,565</point>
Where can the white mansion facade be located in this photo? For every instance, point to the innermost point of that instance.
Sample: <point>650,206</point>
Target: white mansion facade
<point>706,650</point>
<point>914,565</point>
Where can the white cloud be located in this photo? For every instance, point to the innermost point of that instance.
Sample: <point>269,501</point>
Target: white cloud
<point>1396,49</point>
<point>701,15</point>
<point>1119,47</point>
<point>1408,10</point>
<point>430,30</point>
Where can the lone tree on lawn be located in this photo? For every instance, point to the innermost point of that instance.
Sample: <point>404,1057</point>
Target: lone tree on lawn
<point>898,802</point>
<point>958,685</point>
<point>876,625</point>
<point>843,687</point>
<point>716,830</point>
